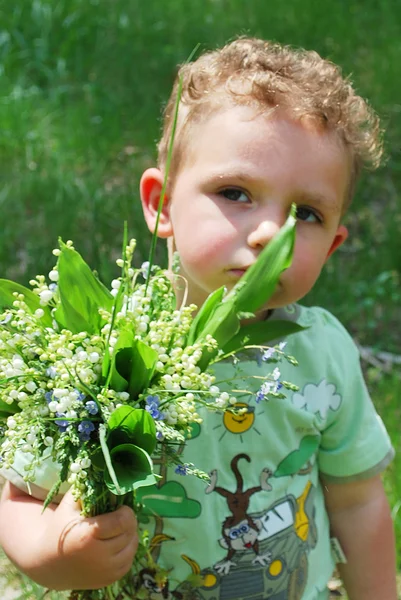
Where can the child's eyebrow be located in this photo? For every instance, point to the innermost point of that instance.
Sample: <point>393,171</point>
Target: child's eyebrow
<point>319,200</point>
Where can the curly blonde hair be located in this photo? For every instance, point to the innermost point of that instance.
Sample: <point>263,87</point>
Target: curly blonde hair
<point>254,72</point>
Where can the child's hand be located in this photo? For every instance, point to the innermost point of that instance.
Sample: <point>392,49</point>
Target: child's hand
<point>62,550</point>
<point>87,553</point>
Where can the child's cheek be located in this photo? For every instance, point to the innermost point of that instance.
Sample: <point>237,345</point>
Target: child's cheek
<point>203,249</point>
<point>303,272</point>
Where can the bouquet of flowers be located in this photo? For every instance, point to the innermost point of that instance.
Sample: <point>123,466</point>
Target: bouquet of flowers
<point>103,380</point>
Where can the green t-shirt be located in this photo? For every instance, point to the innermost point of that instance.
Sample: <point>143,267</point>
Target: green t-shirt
<point>260,529</point>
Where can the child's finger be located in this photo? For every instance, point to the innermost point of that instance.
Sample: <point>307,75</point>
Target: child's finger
<point>69,504</point>
<point>114,524</point>
<point>125,543</point>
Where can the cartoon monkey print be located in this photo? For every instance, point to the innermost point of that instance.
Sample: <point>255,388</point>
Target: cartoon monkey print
<point>240,531</point>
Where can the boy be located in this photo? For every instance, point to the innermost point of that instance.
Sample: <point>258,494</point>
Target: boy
<point>294,483</point>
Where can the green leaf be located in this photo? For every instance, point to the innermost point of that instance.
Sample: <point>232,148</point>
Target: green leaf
<point>204,314</point>
<point>133,468</point>
<point>259,282</point>
<point>133,426</point>
<point>118,375</point>
<point>223,325</point>
<point>261,333</point>
<point>133,364</point>
<point>120,360</point>
<point>8,409</point>
<point>143,364</point>
<point>7,288</point>
<point>81,293</point>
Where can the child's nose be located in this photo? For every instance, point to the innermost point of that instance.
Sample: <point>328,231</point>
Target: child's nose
<point>263,233</point>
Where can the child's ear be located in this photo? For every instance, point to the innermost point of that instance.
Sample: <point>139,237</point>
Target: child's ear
<point>339,239</point>
<point>150,189</point>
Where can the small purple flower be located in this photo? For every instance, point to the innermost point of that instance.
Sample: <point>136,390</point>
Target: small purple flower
<point>259,396</point>
<point>181,470</point>
<point>269,387</point>
<point>80,396</point>
<point>269,353</point>
<point>159,436</point>
<point>49,397</point>
<point>152,406</point>
<point>62,424</point>
<point>92,407</point>
<point>85,429</point>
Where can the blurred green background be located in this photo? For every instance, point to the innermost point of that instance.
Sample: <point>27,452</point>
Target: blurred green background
<point>83,85</point>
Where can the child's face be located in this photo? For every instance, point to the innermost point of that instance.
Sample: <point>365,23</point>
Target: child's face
<point>234,192</point>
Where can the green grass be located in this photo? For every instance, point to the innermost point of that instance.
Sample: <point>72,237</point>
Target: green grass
<point>81,92</point>
<point>82,87</point>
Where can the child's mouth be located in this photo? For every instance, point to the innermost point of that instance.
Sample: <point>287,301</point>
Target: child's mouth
<point>237,273</point>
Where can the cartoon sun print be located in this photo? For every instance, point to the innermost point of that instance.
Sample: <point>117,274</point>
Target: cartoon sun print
<point>238,423</point>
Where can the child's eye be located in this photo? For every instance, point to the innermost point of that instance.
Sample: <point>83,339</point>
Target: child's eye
<point>234,194</point>
<point>308,215</point>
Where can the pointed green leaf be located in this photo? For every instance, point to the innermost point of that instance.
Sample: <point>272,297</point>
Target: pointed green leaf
<point>144,360</point>
<point>133,365</point>
<point>261,332</point>
<point>7,288</point>
<point>121,362</point>
<point>259,282</point>
<point>204,314</point>
<point>133,468</point>
<point>70,318</point>
<point>223,325</point>
<point>132,425</point>
<point>81,293</point>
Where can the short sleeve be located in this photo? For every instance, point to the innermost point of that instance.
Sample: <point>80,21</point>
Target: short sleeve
<point>354,442</point>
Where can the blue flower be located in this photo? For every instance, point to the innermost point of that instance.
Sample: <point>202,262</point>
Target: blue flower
<point>49,397</point>
<point>80,395</point>
<point>92,407</point>
<point>269,387</point>
<point>62,424</point>
<point>269,353</point>
<point>181,469</point>
<point>159,436</point>
<point>85,429</point>
<point>259,396</point>
<point>152,406</point>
